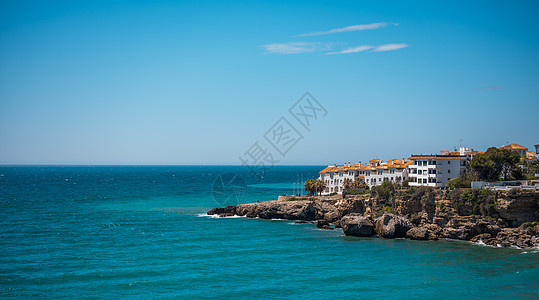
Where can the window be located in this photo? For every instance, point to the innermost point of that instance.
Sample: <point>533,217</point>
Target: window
<point>448,162</point>
<point>448,171</point>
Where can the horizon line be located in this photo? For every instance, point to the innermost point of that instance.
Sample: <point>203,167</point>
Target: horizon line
<point>142,165</point>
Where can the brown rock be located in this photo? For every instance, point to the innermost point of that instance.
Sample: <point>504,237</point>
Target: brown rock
<point>356,225</point>
<point>392,226</point>
<point>418,233</point>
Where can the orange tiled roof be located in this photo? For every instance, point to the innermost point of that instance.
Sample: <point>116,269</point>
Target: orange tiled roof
<point>328,169</point>
<point>408,162</point>
<point>435,156</point>
<point>375,160</point>
<point>530,155</point>
<point>367,167</point>
<point>514,147</point>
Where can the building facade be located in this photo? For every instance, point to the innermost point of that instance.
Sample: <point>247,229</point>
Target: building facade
<point>374,173</point>
<point>521,150</point>
<point>437,170</point>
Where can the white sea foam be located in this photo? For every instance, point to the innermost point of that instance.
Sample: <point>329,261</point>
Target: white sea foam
<point>217,216</point>
<point>208,216</point>
<point>234,216</point>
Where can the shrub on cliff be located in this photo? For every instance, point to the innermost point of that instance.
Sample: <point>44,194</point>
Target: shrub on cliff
<point>354,191</point>
<point>383,191</point>
<point>463,181</point>
<point>424,194</point>
<point>474,201</point>
<point>514,192</point>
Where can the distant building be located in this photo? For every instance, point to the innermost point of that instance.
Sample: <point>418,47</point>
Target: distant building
<point>374,173</point>
<point>437,170</point>
<point>521,150</point>
<point>334,176</point>
<point>394,170</point>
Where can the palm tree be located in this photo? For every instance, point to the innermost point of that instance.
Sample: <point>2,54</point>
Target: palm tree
<point>314,186</point>
<point>347,183</point>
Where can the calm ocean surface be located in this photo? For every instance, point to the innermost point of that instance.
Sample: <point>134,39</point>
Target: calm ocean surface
<point>138,232</point>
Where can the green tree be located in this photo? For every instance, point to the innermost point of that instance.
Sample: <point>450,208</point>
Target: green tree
<point>383,191</point>
<point>463,181</point>
<point>360,184</point>
<point>354,184</point>
<point>531,167</point>
<point>497,163</point>
<point>314,186</point>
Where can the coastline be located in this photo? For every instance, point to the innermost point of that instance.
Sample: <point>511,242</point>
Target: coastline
<point>423,215</point>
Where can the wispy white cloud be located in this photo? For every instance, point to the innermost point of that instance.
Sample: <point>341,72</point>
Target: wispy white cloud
<point>351,28</point>
<point>295,47</point>
<point>389,47</point>
<point>386,47</point>
<point>352,50</point>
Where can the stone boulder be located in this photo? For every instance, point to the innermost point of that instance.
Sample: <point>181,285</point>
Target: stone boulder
<point>392,226</point>
<point>323,224</point>
<point>418,233</point>
<point>467,227</point>
<point>357,225</point>
<point>223,211</point>
<point>483,237</point>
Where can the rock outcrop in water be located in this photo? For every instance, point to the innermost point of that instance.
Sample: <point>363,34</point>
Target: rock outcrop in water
<point>420,214</point>
<point>357,225</point>
<point>392,226</point>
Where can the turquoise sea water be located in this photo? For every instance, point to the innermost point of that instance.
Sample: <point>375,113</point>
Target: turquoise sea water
<point>139,232</point>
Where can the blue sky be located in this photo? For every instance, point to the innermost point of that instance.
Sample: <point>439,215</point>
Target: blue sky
<point>180,82</point>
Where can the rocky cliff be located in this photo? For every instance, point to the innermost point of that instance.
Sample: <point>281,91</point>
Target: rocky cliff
<point>422,213</point>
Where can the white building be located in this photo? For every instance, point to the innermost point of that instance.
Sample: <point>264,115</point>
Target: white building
<point>394,170</point>
<point>374,173</point>
<point>436,170</point>
<point>334,176</point>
